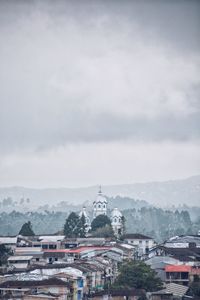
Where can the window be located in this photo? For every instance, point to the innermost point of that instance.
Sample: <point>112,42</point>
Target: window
<point>140,242</point>
<point>99,206</point>
<point>44,246</point>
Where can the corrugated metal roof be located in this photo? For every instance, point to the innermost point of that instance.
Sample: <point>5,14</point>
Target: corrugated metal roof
<point>78,250</point>
<point>186,239</point>
<point>8,240</point>
<point>20,258</point>
<point>175,289</point>
<point>137,236</point>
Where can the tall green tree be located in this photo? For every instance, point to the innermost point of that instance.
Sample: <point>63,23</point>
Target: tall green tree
<point>4,253</point>
<point>105,232</point>
<point>71,227</point>
<point>136,274</point>
<point>123,229</point>
<point>99,222</point>
<point>26,229</point>
<point>82,226</point>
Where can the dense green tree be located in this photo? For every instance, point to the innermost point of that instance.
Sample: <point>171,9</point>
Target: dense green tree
<point>195,287</point>
<point>4,252</point>
<point>123,229</point>
<point>99,222</point>
<point>71,227</point>
<point>26,229</point>
<point>75,226</point>
<point>136,274</point>
<point>82,226</point>
<point>105,232</point>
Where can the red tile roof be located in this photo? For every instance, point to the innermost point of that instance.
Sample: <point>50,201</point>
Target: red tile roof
<point>77,250</point>
<point>178,268</point>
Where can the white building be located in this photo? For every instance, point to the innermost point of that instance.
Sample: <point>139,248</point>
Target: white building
<point>142,242</point>
<point>116,221</point>
<point>20,262</point>
<point>100,208</point>
<point>100,205</point>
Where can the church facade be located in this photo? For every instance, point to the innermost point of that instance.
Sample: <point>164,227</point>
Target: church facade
<point>100,207</point>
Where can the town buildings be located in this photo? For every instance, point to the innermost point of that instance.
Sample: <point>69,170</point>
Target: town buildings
<point>56,267</point>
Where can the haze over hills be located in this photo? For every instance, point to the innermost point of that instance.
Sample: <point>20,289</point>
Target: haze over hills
<point>167,193</point>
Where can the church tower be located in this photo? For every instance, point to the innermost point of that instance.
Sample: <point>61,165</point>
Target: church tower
<point>87,219</point>
<point>100,205</point>
<point>116,221</point>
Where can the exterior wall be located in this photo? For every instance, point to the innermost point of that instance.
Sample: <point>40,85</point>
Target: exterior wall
<point>141,244</point>
<point>178,277</point>
<point>99,209</point>
<point>19,264</point>
<point>106,297</point>
<point>33,297</point>
<point>99,205</point>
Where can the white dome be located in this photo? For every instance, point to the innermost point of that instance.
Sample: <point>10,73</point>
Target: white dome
<point>116,213</point>
<point>100,199</point>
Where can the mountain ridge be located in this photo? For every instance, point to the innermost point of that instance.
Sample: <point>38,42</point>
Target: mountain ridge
<point>159,193</point>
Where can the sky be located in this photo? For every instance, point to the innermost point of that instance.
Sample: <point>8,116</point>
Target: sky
<point>98,92</point>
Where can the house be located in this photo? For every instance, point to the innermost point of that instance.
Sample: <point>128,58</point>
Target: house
<point>35,253</point>
<point>189,255</point>
<point>170,291</point>
<point>52,286</point>
<point>9,242</point>
<point>142,243</point>
<point>158,263</point>
<point>69,255</point>
<point>49,242</point>
<point>183,241</point>
<point>13,293</point>
<point>128,251</point>
<point>20,262</point>
<point>120,294</point>
<point>179,274</point>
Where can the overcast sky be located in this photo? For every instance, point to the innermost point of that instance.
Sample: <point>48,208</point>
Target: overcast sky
<point>98,92</point>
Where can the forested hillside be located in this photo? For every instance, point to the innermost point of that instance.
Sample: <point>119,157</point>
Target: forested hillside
<point>155,222</point>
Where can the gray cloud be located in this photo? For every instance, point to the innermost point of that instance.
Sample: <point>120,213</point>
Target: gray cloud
<point>98,71</point>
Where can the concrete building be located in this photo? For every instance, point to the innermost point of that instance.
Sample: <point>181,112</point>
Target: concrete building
<point>116,221</point>
<point>142,243</point>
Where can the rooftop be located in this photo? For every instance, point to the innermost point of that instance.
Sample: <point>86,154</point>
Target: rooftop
<point>137,236</point>
<point>11,258</point>
<point>178,268</point>
<point>30,283</point>
<point>77,250</point>
<point>175,289</point>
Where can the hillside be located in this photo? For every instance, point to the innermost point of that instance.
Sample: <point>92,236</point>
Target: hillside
<point>162,194</point>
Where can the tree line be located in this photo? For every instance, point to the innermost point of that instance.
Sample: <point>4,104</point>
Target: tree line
<point>76,226</point>
<point>158,223</point>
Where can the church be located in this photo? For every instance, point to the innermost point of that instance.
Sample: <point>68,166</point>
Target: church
<point>100,208</point>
